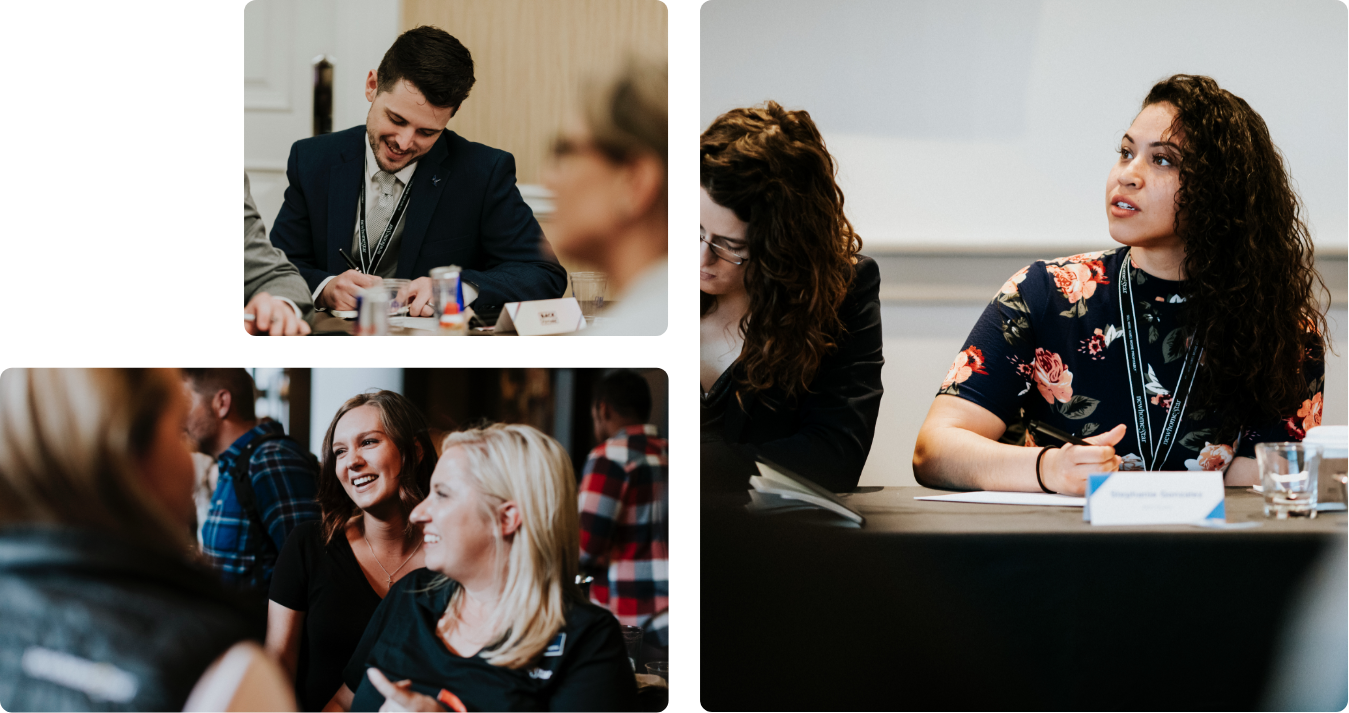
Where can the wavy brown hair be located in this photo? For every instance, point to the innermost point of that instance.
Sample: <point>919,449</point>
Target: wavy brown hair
<point>406,427</point>
<point>770,167</point>
<point>1250,280</point>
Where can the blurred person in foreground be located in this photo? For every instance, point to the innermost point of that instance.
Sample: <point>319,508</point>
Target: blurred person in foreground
<point>102,607</point>
<point>266,483</point>
<point>274,293</point>
<point>608,179</point>
<point>333,573</point>
<point>624,503</point>
<point>495,621</point>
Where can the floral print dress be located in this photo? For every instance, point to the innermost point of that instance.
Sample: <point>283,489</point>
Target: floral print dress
<point>1049,347</point>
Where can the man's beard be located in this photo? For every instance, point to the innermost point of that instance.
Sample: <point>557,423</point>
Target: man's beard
<point>374,149</point>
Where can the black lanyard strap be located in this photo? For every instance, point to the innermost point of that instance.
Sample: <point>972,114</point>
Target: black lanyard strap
<point>1150,449</point>
<point>368,263</point>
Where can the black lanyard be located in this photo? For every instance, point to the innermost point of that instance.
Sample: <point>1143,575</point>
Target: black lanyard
<point>1147,447</point>
<point>368,264</point>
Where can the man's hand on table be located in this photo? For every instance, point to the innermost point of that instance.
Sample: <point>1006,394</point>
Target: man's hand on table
<point>418,298</point>
<point>340,292</point>
<point>273,316</point>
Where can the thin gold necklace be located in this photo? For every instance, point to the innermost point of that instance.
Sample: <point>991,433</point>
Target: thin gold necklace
<point>387,574</point>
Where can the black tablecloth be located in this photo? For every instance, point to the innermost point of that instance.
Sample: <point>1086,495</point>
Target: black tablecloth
<point>964,606</point>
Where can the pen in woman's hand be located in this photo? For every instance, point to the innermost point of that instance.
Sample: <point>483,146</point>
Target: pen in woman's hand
<point>1046,429</point>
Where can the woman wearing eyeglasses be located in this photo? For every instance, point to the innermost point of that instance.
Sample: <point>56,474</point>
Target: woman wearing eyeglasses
<point>791,318</point>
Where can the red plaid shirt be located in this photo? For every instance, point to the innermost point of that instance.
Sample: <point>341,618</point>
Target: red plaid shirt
<point>624,530</point>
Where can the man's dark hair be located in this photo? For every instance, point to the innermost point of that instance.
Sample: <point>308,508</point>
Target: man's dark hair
<point>236,381</point>
<point>626,392</point>
<point>437,64</point>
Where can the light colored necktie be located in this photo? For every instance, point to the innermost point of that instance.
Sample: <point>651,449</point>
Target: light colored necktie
<point>380,207</point>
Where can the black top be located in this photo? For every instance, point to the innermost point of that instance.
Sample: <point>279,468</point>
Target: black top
<point>465,210</point>
<point>326,583</point>
<point>89,621</point>
<point>584,668</point>
<point>826,434</point>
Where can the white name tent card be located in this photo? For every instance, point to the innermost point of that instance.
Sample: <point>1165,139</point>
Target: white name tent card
<point>536,317</point>
<point>1154,498</point>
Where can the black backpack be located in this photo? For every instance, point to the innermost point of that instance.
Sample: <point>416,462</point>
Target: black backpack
<point>243,483</point>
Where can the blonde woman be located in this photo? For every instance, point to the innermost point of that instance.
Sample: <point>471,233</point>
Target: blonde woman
<point>496,621</point>
<point>101,607</point>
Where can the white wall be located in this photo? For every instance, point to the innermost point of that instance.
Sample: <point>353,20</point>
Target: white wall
<point>330,388</point>
<point>982,123</point>
<point>281,40</point>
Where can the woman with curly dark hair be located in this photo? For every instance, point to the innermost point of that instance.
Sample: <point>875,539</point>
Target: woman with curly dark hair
<point>791,323</point>
<point>1179,351</point>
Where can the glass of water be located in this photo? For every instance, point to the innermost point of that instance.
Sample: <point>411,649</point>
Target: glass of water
<point>1288,478</point>
<point>588,289</point>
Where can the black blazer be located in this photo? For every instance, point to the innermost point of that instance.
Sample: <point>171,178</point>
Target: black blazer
<point>826,434</point>
<point>464,210</point>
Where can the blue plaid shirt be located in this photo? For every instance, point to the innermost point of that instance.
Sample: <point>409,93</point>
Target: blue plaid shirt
<point>284,484</point>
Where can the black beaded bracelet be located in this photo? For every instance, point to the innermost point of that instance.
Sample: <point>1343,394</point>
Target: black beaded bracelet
<point>1038,478</point>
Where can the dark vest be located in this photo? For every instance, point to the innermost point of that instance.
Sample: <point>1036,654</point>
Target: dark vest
<point>91,622</point>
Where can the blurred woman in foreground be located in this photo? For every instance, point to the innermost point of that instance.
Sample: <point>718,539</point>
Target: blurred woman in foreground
<point>495,621</point>
<point>101,607</point>
<point>608,180</point>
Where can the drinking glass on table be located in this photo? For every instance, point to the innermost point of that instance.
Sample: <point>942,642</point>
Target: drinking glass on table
<point>632,639</point>
<point>588,289</point>
<point>398,296</point>
<point>659,668</point>
<point>1288,477</point>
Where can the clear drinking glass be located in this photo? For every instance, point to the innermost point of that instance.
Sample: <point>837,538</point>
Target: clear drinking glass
<point>398,296</point>
<point>588,289</point>
<point>1288,477</point>
<point>675,671</point>
<point>632,639</point>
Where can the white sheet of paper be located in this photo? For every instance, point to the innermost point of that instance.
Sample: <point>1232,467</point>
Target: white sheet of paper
<point>427,323</point>
<point>992,497</point>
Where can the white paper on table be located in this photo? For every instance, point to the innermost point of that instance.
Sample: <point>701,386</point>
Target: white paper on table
<point>993,497</point>
<point>427,323</point>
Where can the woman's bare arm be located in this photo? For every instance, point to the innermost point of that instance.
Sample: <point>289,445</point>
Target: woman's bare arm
<point>1242,471</point>
<point>284,628</point>
<point>957,448</point>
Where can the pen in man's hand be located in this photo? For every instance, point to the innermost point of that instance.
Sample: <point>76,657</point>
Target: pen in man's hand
<point>1046,429</point>
<point>350,263</point>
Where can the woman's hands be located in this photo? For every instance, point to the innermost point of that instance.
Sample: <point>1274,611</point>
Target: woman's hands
<point>400,697</point>
<point>1065,470</point>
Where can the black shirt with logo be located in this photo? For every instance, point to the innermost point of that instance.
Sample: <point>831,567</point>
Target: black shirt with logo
<point>585,666</point>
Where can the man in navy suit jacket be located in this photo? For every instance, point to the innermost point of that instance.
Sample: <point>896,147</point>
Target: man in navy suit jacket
<point>463,209</point>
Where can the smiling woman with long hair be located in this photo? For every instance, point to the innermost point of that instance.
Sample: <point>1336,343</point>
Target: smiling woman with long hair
<point>791,327</point>
<point>495,621</point>
<point>1197,339</point>
<point>332,574</point>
